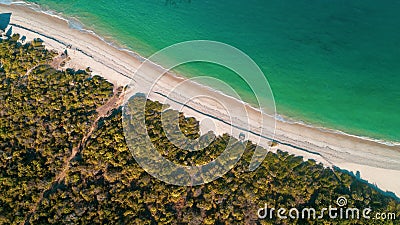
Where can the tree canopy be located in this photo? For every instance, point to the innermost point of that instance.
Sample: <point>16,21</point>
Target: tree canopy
<point>64,162</point>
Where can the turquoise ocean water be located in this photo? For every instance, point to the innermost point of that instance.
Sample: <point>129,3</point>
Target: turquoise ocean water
<point>331,63</point>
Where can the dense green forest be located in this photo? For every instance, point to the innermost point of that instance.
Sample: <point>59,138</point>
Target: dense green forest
<point>64,160</point>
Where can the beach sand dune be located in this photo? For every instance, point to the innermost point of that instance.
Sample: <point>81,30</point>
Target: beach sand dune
<point>376,162</point>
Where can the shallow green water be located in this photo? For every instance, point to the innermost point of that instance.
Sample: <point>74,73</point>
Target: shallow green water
<point>330,63</point>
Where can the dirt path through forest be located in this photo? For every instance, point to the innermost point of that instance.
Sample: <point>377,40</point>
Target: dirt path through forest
<point>103,111</point>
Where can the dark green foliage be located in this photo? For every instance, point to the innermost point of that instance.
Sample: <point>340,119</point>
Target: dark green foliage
<point>44,117</point>
<point>17,59</point>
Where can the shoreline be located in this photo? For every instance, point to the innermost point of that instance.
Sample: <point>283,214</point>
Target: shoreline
<point>113,43</point>
<point>279,117</point>
<point>342,150</point>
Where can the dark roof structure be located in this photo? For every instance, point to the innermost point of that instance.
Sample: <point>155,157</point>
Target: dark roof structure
<point>9,32</point>
<point>4,20</point>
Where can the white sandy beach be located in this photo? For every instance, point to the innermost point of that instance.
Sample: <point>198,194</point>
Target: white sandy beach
<point>377,163</point>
